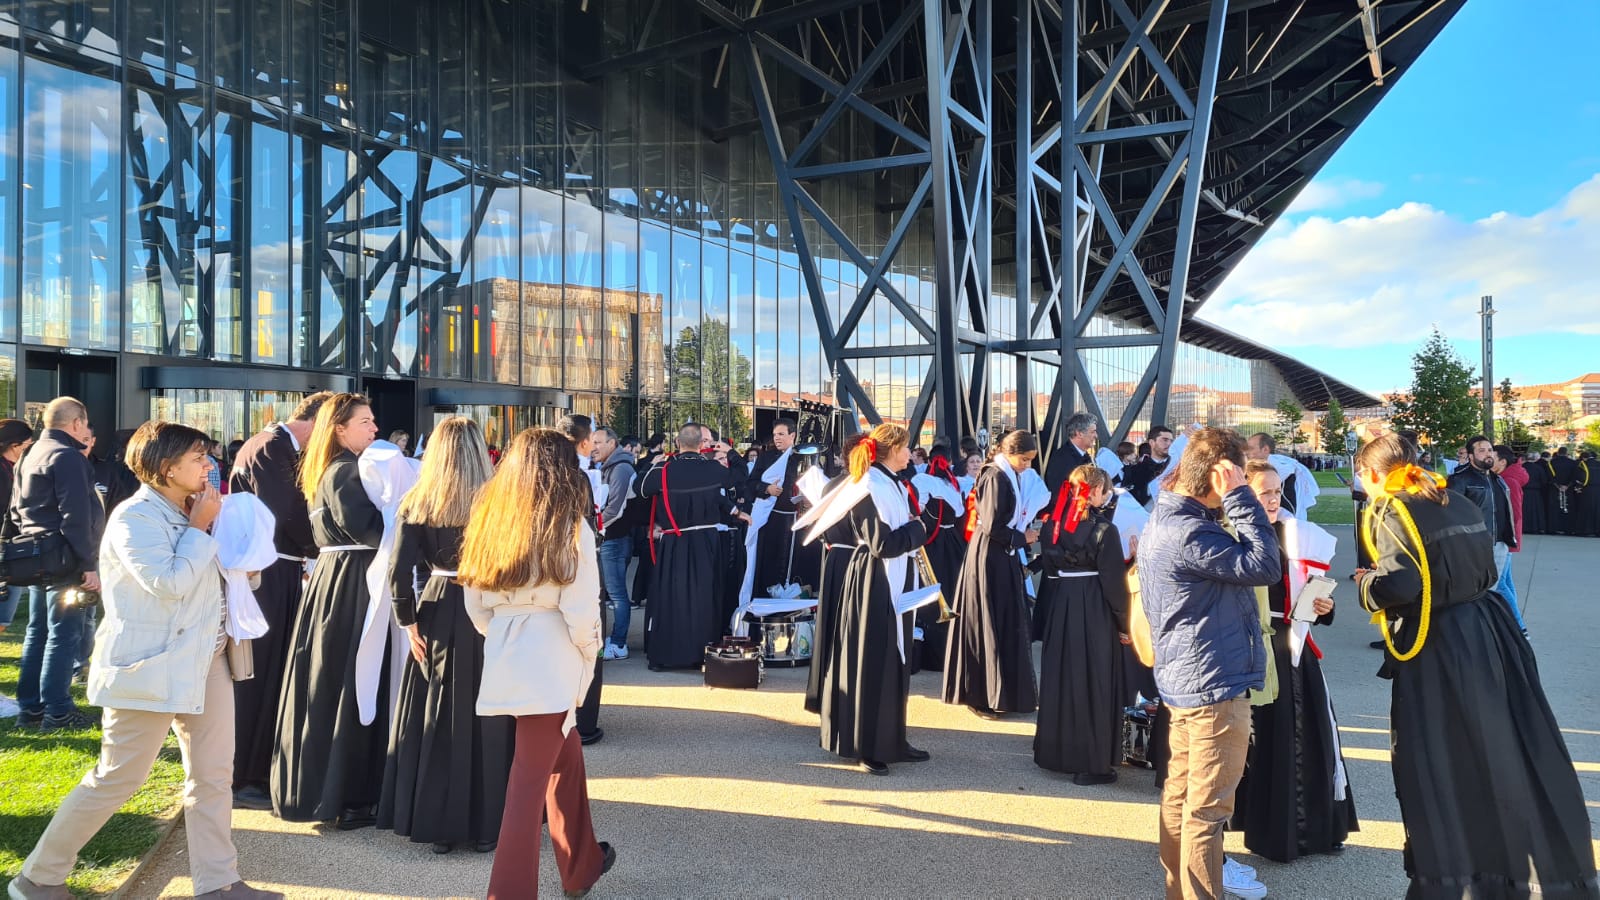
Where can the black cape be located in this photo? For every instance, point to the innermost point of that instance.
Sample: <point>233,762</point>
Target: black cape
<point>1285,804</point>
<point>989,658</point>
<point>1487,790</point>
<point>1561,510</point>
<point>780,556</point>
<point>267,465</point>
<point>1081,690</point>
<point>1587,483</point>
<point>838,543</point>
<point>327,761</point>
<point>687,596</point>
<point>448,767</point>
<point>863,693</point>
<point>1535,498</point>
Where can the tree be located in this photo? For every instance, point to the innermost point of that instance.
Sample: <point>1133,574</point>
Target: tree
<point>1286,426</point>
<point>1334,428</point>
<point>705,365</point>
<point>1510,429</point>
<point>1440,405</point>
<point>1593,440</point>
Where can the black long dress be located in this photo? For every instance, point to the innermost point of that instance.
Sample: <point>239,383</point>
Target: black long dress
<point>685,609</point>
<point>839,541</point>
<point>445,781</point>
<point>1488,794</point>
<point>989,660</point>
<point>946,549</point>
<point>1587,483</point>
<point>1535,500</point>
<point>1561,510</point>
<point>327,761</point>
<point>1081,691</point>
<point>863,694</point>
<point>1285,804</point>
<point>780,556</point>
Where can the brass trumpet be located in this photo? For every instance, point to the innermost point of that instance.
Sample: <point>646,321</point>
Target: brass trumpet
<point>925,572</point>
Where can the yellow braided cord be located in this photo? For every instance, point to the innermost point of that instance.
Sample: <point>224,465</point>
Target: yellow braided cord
<point>1420,558</point>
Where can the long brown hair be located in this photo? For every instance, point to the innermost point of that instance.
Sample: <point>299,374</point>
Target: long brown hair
<point>1386,453</point>
<point>323,447</point>
<point>875,446</point>
<point>525,519</point>
<point>455,466</point>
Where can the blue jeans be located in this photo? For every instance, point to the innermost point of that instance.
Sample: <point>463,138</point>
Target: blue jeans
<point>49,651</point>
<point>615,553</point>
<point>8,604</point>
<point>1507,588</point>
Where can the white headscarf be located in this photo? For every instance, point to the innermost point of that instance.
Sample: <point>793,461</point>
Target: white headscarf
<point>386,474</point>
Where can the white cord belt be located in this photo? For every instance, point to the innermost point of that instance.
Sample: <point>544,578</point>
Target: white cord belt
<point>690,528</point>
<point>337,548</point>
<point>444,573</point>
<point>296,559</point>
<point>841,546</point>
<point>1061,574</point>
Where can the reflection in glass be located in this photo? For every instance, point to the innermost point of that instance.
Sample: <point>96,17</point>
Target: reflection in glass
<point>336,265</point>
<point>437,265</point>
<point>655,253</point>
<point>685,317</point>
<point>225,415</point>
<point>497,285</point>
<point>168,227</point>
<point>71,256</point>
<point>581,334</point>
<point>390,223</point>
<point>541,288</point>
<point>766,303</point>
<point>788,335</point>
<point>622,308</point>
<point>270,257</point>
<point>741,326</point>
<point>227,271</point>
<point>8,194</point>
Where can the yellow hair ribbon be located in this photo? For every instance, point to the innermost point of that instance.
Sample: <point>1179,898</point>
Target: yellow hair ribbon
<point>1411,478</point>
<point>1421,559</point>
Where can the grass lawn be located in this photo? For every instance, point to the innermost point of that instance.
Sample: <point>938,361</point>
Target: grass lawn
<point>36,772</point>
<point>1334,506</point>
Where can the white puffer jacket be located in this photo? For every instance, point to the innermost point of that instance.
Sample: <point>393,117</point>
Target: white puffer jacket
<point>162,601</point>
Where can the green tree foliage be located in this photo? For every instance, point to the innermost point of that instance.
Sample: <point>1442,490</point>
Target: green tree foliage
<point>1509,428</point>
<point>1286,426</point>
<point>706,365</point>
<point>1440,405</point>
<point>1334,428</point>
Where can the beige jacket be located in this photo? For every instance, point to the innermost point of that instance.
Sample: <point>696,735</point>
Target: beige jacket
<point>162,600</point>
<point>540,642</point>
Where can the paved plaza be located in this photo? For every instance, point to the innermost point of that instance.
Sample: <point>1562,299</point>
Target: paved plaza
<point>711,793</point>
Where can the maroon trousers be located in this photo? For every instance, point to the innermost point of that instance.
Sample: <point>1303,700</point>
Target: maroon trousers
<point>546,777</point>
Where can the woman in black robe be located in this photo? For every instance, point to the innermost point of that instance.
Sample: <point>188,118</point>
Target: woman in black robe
<point>838,542</point>
<point>1535,496</point>
<point>445,782</point>
<point>1289,803</point>
<point>989,660</point>
<point>328,764</point>
<point>1085,593</point>
<point>1491,804</point>
<point>947,547</point>
<point>864,690</point>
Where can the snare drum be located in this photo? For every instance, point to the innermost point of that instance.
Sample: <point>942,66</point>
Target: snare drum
<point>786,637</point>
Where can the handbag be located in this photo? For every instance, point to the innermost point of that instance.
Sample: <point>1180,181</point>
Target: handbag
<point>1138,626</point>
<point>734,662</point>
<point>35,560</point>
<point>241,659</point>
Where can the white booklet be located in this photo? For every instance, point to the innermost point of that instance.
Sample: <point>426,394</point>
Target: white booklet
<point>1318,587</point>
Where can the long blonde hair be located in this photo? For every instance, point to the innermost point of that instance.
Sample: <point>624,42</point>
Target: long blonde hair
<point>875,446</point>
<point>524,520</point>
<point>323,447</point>
<point>456,465</point>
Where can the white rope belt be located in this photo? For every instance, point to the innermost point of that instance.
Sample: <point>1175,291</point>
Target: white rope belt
<point>690,528</point>
<point>444,573</point>
<point>295,559</point>
<point>841,546</point>
<point>1061,574</point>
<point>943,527</point>
<point>338,548</point>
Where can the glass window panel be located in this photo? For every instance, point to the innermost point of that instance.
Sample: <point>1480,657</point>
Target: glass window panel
<point>91,26</point>
<point>229,165</point>
<point>788,331</point>
<point>621,322</point>
<point>168,227</point>
<point>437,267</point>
<point>71,255</point>
<point>452,107</point>
<point>270,259</point>
<point>655,251</point>
<point>811,361</point>
<point>496,103</point>
<point>8,196</point>
<point>387,82</point>
<point>584,281</point>
<point>497,285</point>
<point>334,265</point>
<point>766,332</point>
<point>270,76</point>
<point>741,326</point>
<point>685,317</point>
<point>716,381</point>
<point>389,236</point>
<point>541,288</point>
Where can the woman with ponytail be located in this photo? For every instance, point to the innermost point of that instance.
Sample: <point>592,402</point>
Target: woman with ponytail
<point>989,660</point>
<point>940,494</point>
<point>1488,795</point>
<point>863,690</point>
<point>838,541</point>
<point>1085,591</point>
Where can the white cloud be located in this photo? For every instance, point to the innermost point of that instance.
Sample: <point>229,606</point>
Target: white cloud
<point>1388,278</point>
<point>1333,193</point>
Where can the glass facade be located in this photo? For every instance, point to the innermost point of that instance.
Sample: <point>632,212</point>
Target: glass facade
<point>424,190</point>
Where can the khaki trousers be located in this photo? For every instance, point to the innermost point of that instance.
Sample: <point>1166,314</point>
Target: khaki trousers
<point>1209,745</point>
<point>131,740</point>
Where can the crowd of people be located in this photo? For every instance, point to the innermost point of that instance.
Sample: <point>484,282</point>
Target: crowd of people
<point>420,645</point>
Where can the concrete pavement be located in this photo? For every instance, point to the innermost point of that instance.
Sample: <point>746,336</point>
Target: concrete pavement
<point>712,793</point>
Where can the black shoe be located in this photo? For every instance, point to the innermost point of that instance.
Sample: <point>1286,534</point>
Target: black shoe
<point>593,737</point>
<point>1376,645</point>
<point>609,860</point>
<point>27,719</point>
<point>873,767</point>
<point>441,847</point>
<point>72,721</point>
<point>485,846</point>
<point>1085,778</point>
<point>912,754</point>
<point>983,712</point>
<point>251,797</point>
<point>357,817</point>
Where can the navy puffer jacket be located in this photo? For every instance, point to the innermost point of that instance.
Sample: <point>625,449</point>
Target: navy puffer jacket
<point>1198,591</point>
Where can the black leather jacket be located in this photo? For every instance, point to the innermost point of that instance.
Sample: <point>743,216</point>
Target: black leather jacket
<point>1489,493</point>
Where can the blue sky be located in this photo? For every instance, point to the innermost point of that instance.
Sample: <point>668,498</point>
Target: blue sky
<point>1479,173</point>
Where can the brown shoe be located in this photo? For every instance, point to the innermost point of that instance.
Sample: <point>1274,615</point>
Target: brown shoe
<point>240,891</point>
<point>22,888</point>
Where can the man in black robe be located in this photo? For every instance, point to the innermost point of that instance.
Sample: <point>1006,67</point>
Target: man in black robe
<point>1534,494</point>
<point>1142,477</point>
<point>713,447</point>
<point>1563,511</point>
<point>689,494</point>
<point>1077,451</point>
<point>268,465</point>
<point>780,556</point>
<point>1587,483</point>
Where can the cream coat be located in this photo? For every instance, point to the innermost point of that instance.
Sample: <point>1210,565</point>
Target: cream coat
<point>540,642</point>
<point>161,592</point>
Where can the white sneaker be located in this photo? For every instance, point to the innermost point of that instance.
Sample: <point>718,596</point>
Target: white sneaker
<point>8,707</point>
<point>615,652</point>
<point>1239,880</point>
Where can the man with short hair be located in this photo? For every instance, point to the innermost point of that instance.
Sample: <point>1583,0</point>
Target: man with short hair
<point>55,501</point>
<point>617,470</point>
<point>777,556</point>
<point>1143,477</point>
<point>1199,596</point>
<point>1081,433</point>
<point>1299,484</point>
<point>580,430</point>
<point>268,465</point>
<point>1478,482</point>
